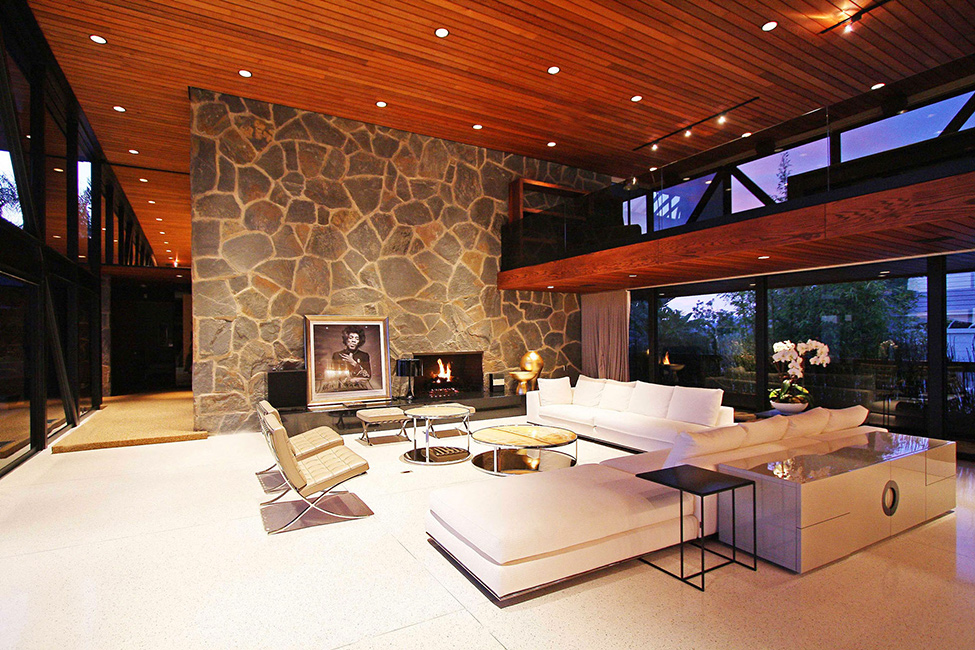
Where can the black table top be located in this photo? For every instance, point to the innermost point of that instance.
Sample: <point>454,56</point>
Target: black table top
<point>695,480</point>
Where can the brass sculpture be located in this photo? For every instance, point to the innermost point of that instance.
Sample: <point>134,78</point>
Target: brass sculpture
<point>531,367</point>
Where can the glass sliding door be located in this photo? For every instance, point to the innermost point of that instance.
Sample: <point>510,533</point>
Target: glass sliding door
<point>876,331</point>
<point>15,370</point>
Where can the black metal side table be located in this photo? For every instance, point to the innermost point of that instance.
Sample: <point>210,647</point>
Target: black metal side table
<point>703,483</point>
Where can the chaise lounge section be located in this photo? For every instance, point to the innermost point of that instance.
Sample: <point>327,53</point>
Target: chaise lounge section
<point>526,532</point>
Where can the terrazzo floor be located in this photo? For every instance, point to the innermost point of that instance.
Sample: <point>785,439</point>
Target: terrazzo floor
<point>162,546</point>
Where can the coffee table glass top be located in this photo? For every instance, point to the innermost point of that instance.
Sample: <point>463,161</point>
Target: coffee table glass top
<point>857,451</point>
<point>433,412</point>
<point>524,436</point>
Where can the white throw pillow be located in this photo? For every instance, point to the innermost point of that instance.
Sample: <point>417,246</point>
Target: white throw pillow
<point>588,391</point>
<point>697,405</point>
<point>810,423</point>
<point>616,395</point>
<point>554,391</point>
<point>708,441</point>
<point>769,430</point>
<point>846,418</point>
<point>652,400</point>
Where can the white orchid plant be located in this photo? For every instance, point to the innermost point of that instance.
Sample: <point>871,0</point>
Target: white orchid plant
<point>790,358</point>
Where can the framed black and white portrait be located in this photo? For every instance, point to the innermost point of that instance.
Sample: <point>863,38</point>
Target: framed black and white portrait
<point>347,359</point>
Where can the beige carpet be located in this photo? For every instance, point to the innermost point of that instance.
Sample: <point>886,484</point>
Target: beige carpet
<point>128,420</point>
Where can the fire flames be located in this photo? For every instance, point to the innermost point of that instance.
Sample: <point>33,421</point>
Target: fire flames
<point>444,375</point>
<point>666,360</point>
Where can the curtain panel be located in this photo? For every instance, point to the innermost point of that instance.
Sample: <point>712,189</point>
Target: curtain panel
<point>606,335</point>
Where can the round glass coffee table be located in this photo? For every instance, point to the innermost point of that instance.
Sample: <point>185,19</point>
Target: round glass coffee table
<point>523,448</point>
<point>440,454</point>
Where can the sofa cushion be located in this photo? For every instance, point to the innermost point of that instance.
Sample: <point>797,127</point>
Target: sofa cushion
<point>768,430</point>
<point>521,517</point>
<point>848,433</point>
<point>847,418</point>
<point>638,463</point>
<point>698,405</point>
<point>616,395</point>
<point>588,391</point>
<point>554,391</point>
<point>708,441</point>
<point>651,399</point>
<point>641,425</point>
<point>569,413</point>
<point>810,423</point>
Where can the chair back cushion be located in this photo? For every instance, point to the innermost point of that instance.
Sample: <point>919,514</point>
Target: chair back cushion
<point>652,400</point>
<point>264,408</point>
<point>286,457</point>
<point>588,391</point>
<point>554,391</point>
<point>697,405</point>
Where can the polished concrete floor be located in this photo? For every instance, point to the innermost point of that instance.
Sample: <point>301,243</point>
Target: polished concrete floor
<point>162,546</point>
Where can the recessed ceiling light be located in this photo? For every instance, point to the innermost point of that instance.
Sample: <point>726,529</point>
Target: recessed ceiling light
<point>118,109</point>
<point>763,257</point>
<point>98,39</point>
<point>246,74</point>
<point>168,250</point>
<point>381,104</point>
<point>654,147</point>
<point>27,136</point>
<point>687,133</point>
<point>769,26</point>
<point>551,144</point>
<point>477,127</point>
<point>848,28</point>
<point>877,86</point>
<point>746,134</point>
<point>632,275</point>
<point>554,69</point>
<point>653,169</point>
<point>442,32</point>
<point>178,275</point>
<point>884,272</point>
<point>687,178</point>
<point>103,228</point>
<point>165,242</point>
<point>722,119</point>
<point>551,286</point>
<point>134,152</point>
<point>636,98</point>
<point>154,203</point>
<point>161,232</point>
<point>143,180</point>
<point>707,182</point>
<point>82,256</point>
<point>59,170</point>
<point>57,236</point>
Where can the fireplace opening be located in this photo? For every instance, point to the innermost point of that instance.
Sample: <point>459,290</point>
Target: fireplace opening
<point>448,374</point>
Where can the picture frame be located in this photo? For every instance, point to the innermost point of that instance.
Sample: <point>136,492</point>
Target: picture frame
<point>346,359</point>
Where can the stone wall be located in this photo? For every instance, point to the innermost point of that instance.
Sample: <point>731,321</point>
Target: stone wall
<point>299,213</point>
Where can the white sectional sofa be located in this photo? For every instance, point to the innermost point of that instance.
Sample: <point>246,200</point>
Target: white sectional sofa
<point>516,534</point>
<point>635,415</point>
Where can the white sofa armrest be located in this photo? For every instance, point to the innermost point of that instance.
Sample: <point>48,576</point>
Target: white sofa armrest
<point>533,402</point>
<point>726,416</point>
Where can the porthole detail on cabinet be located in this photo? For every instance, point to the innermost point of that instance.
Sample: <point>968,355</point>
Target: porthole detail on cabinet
<point>890,497</point>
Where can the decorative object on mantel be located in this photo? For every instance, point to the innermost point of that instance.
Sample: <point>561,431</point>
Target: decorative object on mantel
<point>789,358</point>
<point>411,368</point>
<point>531,366</point>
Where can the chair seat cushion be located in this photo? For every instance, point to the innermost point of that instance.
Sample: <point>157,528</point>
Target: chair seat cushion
<point>313,441</point>
<point>642,425</point>
<point>378,415</point>
<point>525,516</point>
<point>329,468</point>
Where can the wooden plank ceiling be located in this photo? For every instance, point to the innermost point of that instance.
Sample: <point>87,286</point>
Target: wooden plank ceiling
<point>687,58</point>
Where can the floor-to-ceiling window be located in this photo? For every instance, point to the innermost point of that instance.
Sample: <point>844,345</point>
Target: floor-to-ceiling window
<point>15,368</point>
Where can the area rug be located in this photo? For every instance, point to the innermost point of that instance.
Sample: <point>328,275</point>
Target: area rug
<point>128,420</point>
